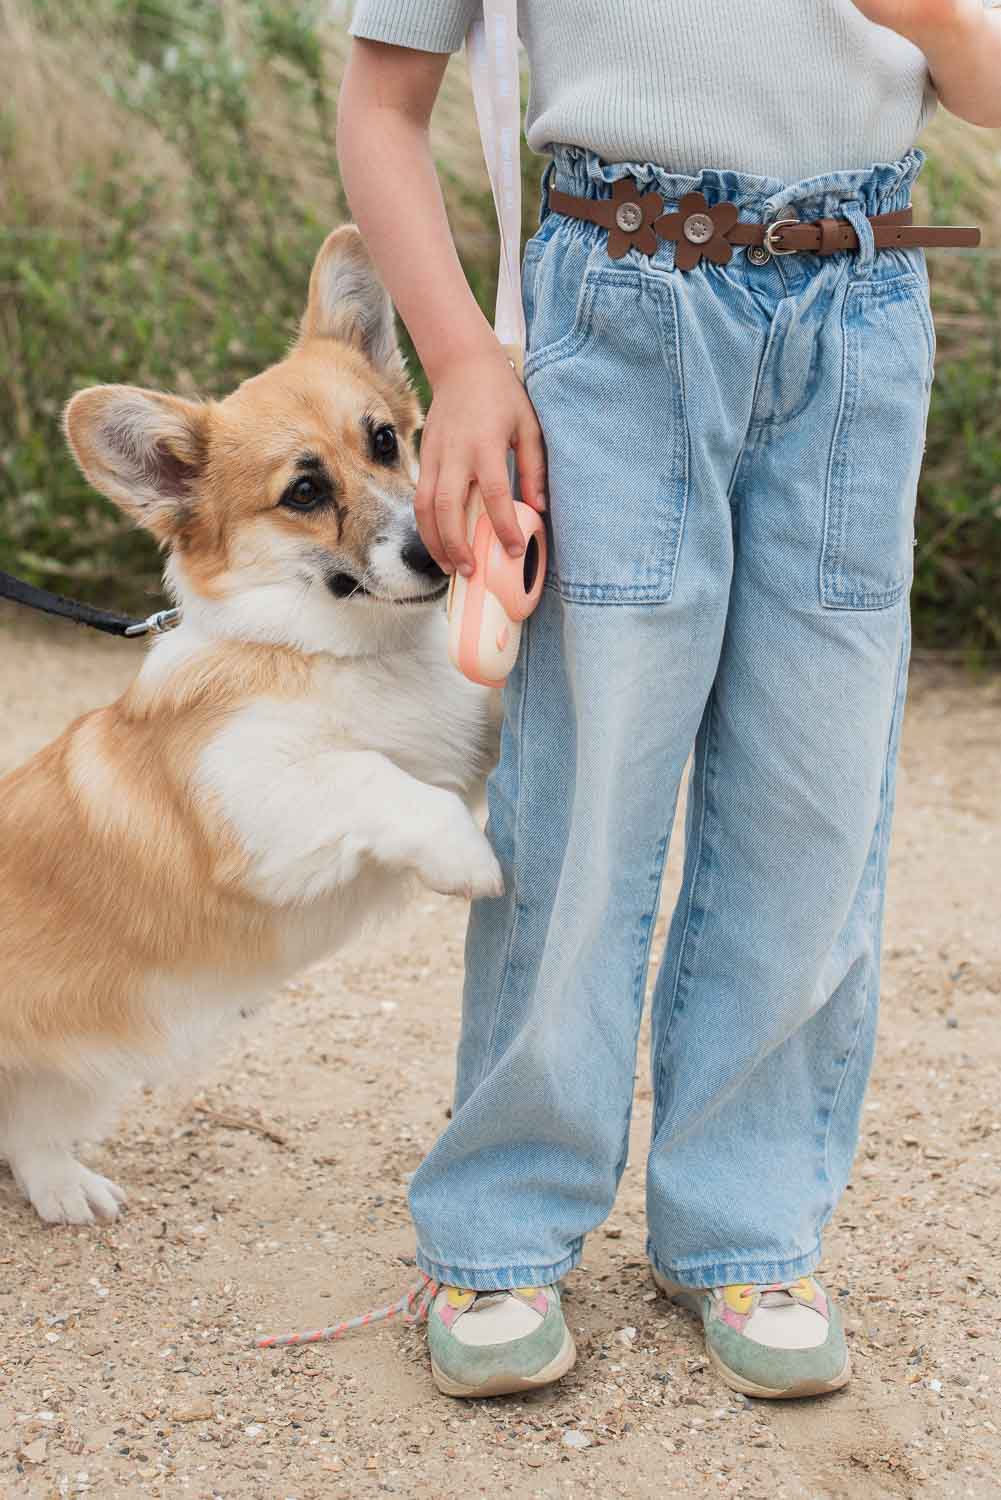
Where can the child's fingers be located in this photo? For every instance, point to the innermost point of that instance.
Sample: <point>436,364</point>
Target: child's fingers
<point>496,491</point>
<point>531,457</point>
<point>427,520</point>
<point>451,494</point>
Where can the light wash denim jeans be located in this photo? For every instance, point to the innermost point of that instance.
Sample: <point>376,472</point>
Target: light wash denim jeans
<point>733,460</point>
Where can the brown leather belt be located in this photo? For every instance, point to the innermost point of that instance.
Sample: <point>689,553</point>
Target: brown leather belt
<point>636,220</point>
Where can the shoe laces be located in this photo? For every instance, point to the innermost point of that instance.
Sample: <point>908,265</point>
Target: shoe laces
<point>775,1294</point>
<point>412,1308</point>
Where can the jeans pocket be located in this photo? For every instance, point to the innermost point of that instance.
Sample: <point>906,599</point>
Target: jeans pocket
<point>609,395</point>
<point>875,460</point>
<point>555,290</point>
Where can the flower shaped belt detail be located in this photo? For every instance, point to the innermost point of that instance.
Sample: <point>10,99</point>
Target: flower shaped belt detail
<point>637,220</point>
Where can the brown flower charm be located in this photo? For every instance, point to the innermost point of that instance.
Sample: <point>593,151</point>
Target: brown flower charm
<point>630,219</point>
<point>699,230</point>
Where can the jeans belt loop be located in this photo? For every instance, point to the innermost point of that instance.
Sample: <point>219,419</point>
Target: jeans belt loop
<point>865,256</point>
<point>544,185</point>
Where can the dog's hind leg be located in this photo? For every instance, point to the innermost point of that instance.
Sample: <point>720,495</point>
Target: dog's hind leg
<point>42,1115</point>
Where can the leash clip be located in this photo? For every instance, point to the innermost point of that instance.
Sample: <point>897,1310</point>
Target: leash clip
<point>156,624</point>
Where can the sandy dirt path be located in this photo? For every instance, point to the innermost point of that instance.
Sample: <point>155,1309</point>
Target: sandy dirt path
<point>126,1366</point>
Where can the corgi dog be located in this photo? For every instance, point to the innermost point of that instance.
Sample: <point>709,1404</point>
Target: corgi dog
<point>287,758</point>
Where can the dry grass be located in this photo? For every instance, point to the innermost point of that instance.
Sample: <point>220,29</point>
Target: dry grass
<point>68,119</point>
<point>62,126</point>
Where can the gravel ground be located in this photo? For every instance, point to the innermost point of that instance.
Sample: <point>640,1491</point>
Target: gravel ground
<point>269,1193</point>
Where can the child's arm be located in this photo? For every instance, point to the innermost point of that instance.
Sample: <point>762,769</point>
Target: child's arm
<point>962,42</point>
<point>479,407</point>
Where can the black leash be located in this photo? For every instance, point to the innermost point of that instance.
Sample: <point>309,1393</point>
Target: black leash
<point>84,614</point>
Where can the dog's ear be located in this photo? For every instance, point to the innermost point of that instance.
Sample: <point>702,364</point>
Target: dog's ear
<point>145,451</point>
<point>347,301</point>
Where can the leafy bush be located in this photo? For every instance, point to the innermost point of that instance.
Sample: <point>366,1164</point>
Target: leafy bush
<point>167,172</point>
<point>957,585</point>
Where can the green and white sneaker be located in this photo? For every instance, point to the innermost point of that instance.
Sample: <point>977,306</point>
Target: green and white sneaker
<point>777,1341</point>
<point>493,1343</point>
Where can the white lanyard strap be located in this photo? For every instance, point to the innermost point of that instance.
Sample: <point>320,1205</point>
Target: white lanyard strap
<point>492,50</point>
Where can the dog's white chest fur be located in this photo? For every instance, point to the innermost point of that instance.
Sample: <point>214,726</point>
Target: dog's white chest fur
<point>355,777</point>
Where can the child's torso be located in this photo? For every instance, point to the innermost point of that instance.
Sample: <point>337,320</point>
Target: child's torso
<point>777,88</point>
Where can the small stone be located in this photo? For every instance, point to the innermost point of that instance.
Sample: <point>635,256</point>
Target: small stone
<point>535,1460</point>
<point>574,1439</point>
<point>36,1452</point>
<point>935,1385</point>
<point>93,1347</point>
<point>188,1414</point>
<point>612,1232</point>
<point>626,1336</point>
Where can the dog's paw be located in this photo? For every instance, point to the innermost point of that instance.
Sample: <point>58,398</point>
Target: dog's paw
<point>63,1191</point>
<point>463,864</point>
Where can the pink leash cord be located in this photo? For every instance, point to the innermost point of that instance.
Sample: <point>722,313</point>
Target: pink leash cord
<point>423,1294</point>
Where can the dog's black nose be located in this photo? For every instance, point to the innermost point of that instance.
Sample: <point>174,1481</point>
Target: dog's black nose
<point>417,557</point>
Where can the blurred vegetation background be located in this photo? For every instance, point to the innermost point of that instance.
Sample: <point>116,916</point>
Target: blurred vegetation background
<point>167,172</point>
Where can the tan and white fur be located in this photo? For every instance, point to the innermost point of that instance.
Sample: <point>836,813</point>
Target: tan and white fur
<point>285,759</point>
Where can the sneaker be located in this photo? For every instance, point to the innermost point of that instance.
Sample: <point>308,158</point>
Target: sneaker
<point>493,1343</point>
<point>776,1341</point>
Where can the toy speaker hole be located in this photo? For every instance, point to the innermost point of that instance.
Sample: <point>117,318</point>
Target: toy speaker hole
<point>531,564</point>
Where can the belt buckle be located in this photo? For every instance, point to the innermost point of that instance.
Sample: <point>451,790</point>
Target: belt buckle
<point>770,244</point>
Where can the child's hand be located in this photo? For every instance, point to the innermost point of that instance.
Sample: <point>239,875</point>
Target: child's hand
<point>479,411</point>
<point>913,18</point>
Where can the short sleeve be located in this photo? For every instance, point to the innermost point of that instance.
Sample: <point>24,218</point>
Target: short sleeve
<point>425,25</point>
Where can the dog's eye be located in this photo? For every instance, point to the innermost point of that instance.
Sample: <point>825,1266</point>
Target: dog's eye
<point>304,493</point>
<point>384,445</point>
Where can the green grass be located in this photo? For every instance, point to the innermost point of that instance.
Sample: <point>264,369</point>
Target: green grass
<point>167,172</point>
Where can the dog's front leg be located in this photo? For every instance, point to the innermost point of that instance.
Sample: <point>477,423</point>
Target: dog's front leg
<point>311,826</point>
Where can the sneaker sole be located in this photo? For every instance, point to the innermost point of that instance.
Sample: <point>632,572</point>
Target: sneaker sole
<point>804,1388</point>
<point>689,1300</point>
<point>509,1385</point>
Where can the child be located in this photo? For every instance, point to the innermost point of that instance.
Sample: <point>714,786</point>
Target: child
<point>734,426</point>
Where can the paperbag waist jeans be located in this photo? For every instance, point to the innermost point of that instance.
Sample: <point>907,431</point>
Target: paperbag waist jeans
<point>733,460</point>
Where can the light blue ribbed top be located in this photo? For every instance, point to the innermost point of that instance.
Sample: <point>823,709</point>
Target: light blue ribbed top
<point>778,88</point>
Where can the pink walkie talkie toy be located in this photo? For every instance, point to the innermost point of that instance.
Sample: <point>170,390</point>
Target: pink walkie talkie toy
<point>486,610</point>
